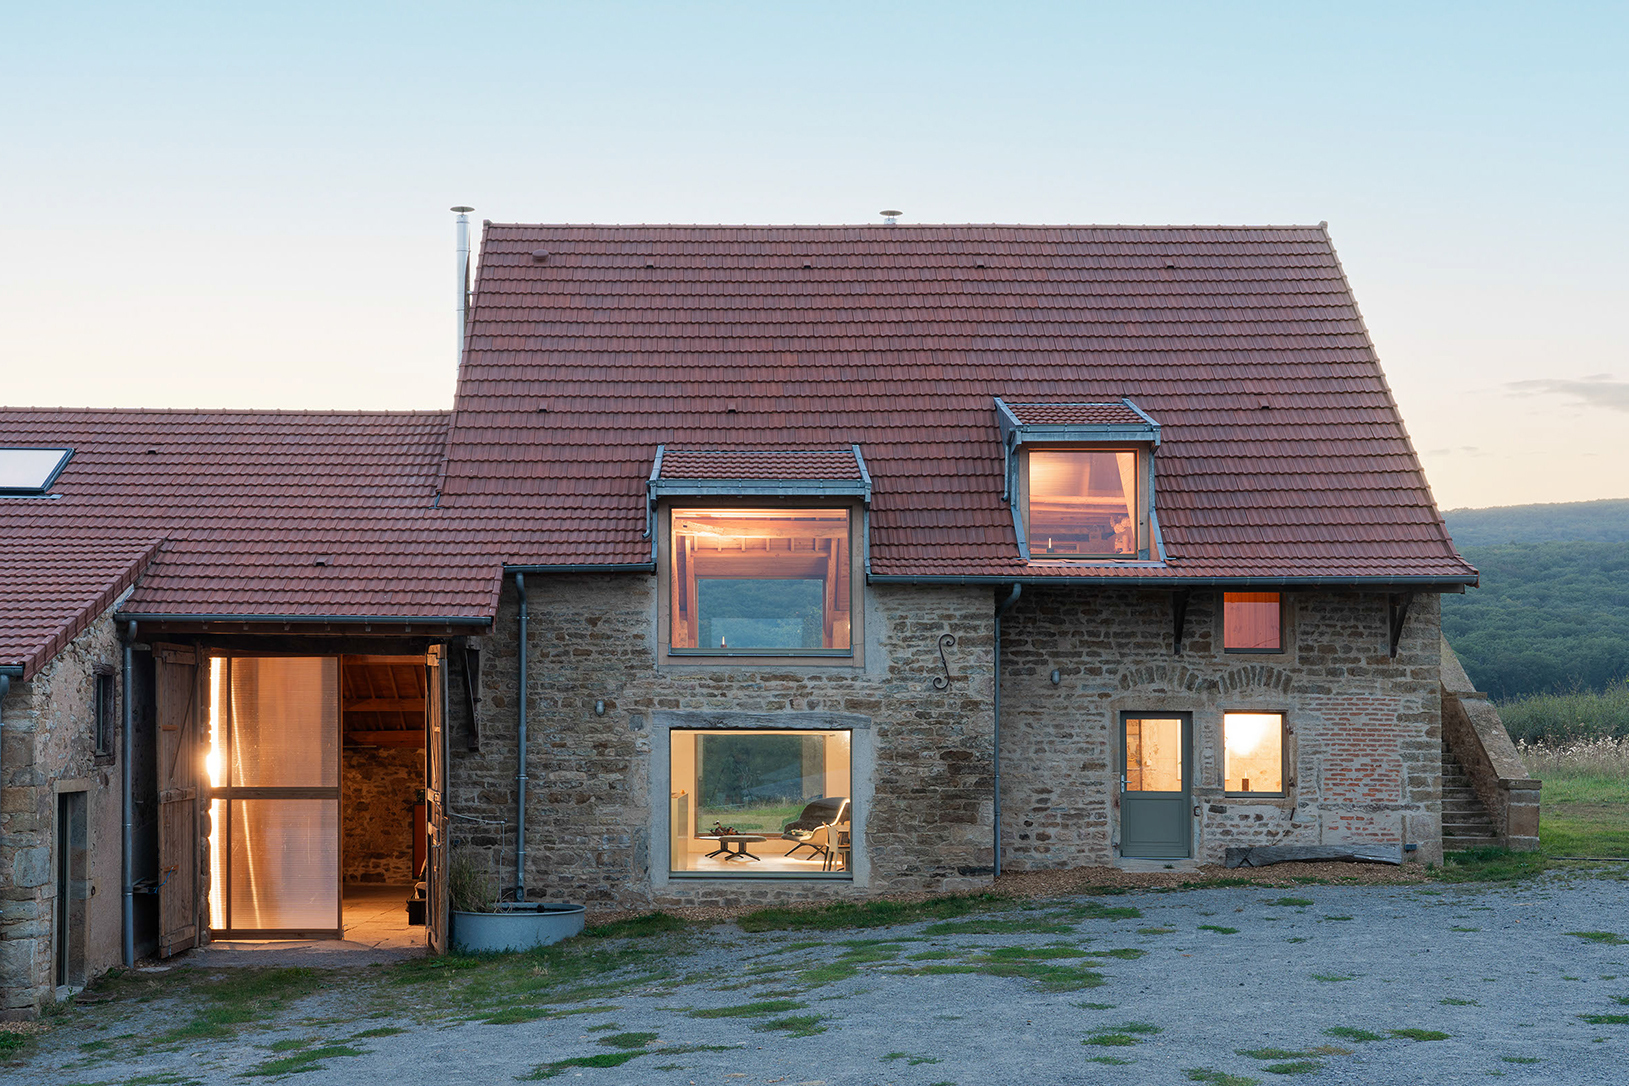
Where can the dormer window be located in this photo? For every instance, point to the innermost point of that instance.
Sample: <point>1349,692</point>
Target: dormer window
<point>1083,503</point>
<point>1080,480</point>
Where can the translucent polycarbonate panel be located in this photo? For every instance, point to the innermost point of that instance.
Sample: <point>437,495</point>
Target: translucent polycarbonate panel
<point>1083,503</point>
<point>1253,744</point>
<point>24,470</point>
<point>217,864</point>
<point>1250,621</point>
<point>285,722</point>
<point>1153,755</point>
<point>284,860</point>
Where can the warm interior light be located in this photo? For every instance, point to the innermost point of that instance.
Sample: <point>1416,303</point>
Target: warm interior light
<point>1253,745</point>
<point>214,763</point>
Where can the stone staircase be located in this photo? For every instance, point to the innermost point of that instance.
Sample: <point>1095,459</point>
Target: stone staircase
<point>1465,822</point>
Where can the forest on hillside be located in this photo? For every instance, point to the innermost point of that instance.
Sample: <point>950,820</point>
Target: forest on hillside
<point>1552,612</point>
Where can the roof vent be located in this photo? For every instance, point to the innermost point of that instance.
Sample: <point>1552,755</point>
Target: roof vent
<point>729,408</point>
<point>891,218</point>
<point>649,263</point>
<point>539,255</point>
<point>324,560</point>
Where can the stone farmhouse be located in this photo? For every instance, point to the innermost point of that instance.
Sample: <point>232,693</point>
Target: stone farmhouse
<point>749,564</point>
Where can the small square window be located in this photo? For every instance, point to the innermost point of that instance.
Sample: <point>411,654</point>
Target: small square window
<point>106,706</point>
<point>1252,622</point>
<point>1083,503</point>
<point>1253,748</point>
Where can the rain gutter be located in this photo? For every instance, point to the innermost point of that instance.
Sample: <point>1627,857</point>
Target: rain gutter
<point>1003,608</point>
<point>313,620</point>
<point>126,809</point>
<point>520,772</point>
<point>583,567</point>
<point>1447,584</point>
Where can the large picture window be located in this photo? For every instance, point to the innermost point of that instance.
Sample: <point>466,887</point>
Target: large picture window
<point>753,803</point>
<point>1083,503</point>
<point>761,582</point>
<point>1254,752</point>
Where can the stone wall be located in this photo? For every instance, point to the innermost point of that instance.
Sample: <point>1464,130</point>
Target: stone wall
<point>50,748</point>
<point>379,788</point>
<point>1364,744</point>
<point>590,818</point>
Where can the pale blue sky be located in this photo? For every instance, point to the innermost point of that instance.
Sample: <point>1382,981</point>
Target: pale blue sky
<point>209,205</point>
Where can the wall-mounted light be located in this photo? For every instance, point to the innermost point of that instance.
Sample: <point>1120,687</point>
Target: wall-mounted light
<point>599,708</point>
<point>1057,677</point>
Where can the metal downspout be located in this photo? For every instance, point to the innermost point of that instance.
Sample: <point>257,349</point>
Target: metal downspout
<point>520,775</point>
<point>1017,589</point>
<point>126,806</point>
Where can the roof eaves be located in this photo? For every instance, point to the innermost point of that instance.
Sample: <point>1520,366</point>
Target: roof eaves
<point>81,620</point>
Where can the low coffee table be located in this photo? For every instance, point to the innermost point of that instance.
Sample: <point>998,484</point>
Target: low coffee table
<point>740,840</point>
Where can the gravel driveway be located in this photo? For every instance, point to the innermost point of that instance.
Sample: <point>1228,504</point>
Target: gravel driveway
<point>1311,984</point>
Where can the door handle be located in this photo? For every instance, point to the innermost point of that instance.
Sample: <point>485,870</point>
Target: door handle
<point>1122,782</point>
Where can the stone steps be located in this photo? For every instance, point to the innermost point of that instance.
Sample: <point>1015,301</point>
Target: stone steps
<point>1465,822</point>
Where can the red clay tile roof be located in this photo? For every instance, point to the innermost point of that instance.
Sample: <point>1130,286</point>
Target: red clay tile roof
<point>1090,414</point>
<point>245,503</point>
<point>1283,456</point>
<point>766,464</point>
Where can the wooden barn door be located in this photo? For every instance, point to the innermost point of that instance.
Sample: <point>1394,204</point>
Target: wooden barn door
<point>176,694</point>
<point>436,915</point>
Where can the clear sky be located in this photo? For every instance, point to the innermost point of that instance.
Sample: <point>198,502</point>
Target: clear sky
<point>245,204</point>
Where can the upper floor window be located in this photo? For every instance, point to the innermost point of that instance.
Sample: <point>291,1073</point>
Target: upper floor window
<point>758,582</point>
<point>1252,622</point>
<point>106,709</point>
<point>1083,503</point>
<point>30,471</point>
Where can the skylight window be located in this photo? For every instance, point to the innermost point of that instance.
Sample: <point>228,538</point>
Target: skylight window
<point>30,471</point>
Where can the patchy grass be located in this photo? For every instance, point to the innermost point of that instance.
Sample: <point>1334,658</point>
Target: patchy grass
<point>1521,1059</point>
<point>1219,929</point>
<point>1092,910</point>
<point>795,1025</point>
<point>1491,865</point>
<point>1095,1006</point>
<point>1156,931</point>
<point>1123,1035</point>
<point>997,926</point>
<point>1456,928</point>
<point>871,914</point>
<point>750,1010</point>
<point>1294,1067</point>
<point>637,927</point>
<point>242,997</point>
<point>910,1060</point>
<point>1219,1078</point>
<point>1271,1053</point>
<point>1610,938</point>
<point>1044,977</point>
<point>830,973</point>
<point>1031,953</point>
<point>1292,902</point>
<point>627,1040</point>
<point>308,1059</point>
<point>1606,1019</point>
<point>933,955</point>
<point>1111,1039</point>
<point>1352,1033</point>
<point>382,1031</point>
<point>560,1067</point>
<point>1337,918</point>
<point>1421,1034</point>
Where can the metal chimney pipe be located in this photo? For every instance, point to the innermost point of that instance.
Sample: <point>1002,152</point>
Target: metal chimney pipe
<point>463,277</point>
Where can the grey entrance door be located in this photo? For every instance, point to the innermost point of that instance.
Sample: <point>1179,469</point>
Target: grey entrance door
<point>1156,784</point>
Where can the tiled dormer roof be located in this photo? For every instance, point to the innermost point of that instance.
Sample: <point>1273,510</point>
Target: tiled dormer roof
<point>1283,453</point>
<point>1079,414</point>
<point>760,464</point>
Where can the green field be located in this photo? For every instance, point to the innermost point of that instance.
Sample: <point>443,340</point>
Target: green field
<point>1585,806</point>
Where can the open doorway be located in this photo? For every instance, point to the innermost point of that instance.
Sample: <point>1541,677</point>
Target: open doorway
<point>316,765</point>
<point>382,850</point>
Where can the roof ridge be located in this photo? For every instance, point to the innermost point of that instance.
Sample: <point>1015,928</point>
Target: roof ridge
<point>907,226</point>
<point>273,412</point>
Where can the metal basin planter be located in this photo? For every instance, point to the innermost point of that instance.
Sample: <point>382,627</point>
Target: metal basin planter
<point>515,925</point>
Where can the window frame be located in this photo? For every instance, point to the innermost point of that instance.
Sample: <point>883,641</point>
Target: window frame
<point>104,715</point>
<point>44,488</point>
<point>1145,550</point>
<point>1284,630</point>
<point>667,655</point>
<point>1285,777</point>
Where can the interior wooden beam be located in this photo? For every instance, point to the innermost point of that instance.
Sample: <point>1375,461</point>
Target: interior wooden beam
<point>386,705</point>
<point>406,737</point>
